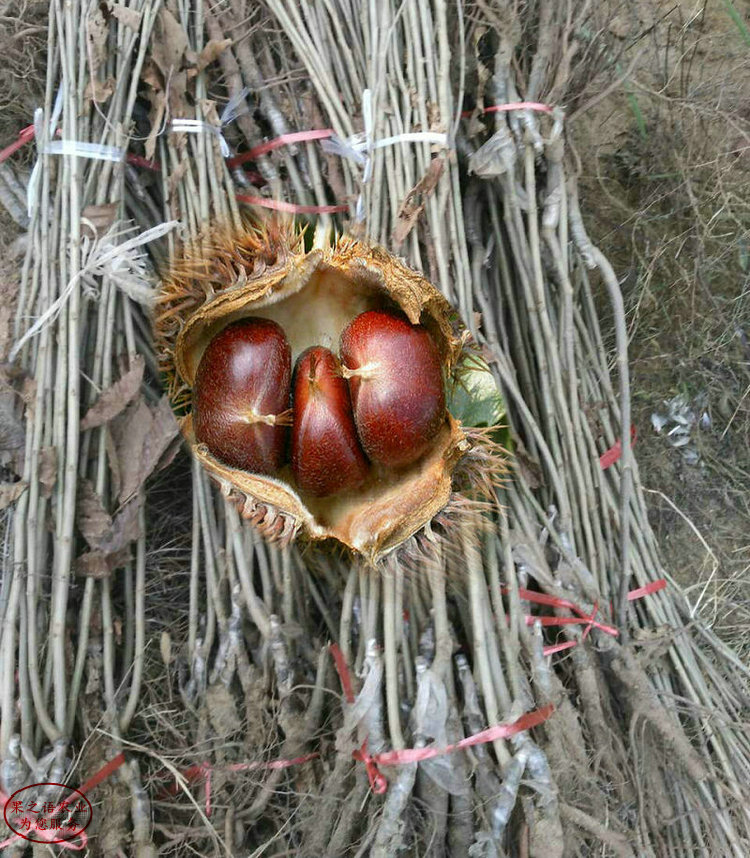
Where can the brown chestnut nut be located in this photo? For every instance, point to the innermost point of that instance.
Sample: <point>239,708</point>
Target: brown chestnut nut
<point>241,395</point>
<point>326,455</point>
<point>396,383</point>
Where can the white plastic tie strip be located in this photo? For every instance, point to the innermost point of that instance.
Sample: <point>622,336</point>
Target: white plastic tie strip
<point>236,106</point>
<point>197,126</point>
<point>31,188</point>
<point>95,151</point>
<point>359,147</point>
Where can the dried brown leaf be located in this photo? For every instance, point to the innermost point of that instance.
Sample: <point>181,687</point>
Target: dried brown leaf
<point>96,220</point>
<point>94,521</point>
<point>114,462</point>
<point>213,49</point>
<point>96,39</point>
<point>99,90</point>
<point>169,44</point>
<point>142,438</point>
<point>129,17</point>
<point>48,470</point>
<point>114,399</point>
<point>10,492</point>
<point>130,439</point>
<point>156,117</point>
<point>125,528</point>
<point>416,199</point>
<point>99,564</point>
<point>164,430</point>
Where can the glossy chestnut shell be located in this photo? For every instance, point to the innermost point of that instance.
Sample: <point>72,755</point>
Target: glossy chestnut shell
<point>263,270</point>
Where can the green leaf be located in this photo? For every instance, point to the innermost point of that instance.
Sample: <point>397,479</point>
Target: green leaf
<point>473,396</point>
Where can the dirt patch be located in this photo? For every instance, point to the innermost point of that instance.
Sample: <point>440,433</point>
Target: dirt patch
<point>666,181</point>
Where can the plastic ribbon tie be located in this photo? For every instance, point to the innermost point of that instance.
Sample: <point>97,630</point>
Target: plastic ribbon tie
<point>292,208</point>
<point>49,834</point>
<point>31,187</point>
<point>609,457</point>
<point>84,150</point>
<point>581,616</point>
<point>360,147</point>
<point>26,135</point>
<point>277,143</point>
<point>378,781</point>
<point>197,126</point>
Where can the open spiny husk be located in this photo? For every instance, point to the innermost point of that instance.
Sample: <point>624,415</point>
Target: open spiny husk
<point>263,269</point>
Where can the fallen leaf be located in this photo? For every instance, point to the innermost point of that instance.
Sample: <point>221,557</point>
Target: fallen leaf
<point>114,462</point>
<point>416,199</point>
<point>125,528</point>
<point>156,117</point>
<point>96,39</point>
<point>99,90</point>
<point>96,220</point>
<point>213,49</point>
<point>48,470</point>
<point>115,399</point>
<point>142,436</point>
<point>169,43</point>
<point>164,430</point>
<point>99,564</point>
<point>94,521</point>
<point>130,438</point>
<point>129,17</point>
<point>527,464</point>
<point>10,492</point>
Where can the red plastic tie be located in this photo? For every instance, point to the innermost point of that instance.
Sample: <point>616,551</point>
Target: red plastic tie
<point>582,617</point>
<point>82,837</point>
<point>278,142</point>
<point>292,208</point>
<point>609,457</point>
<point>647,590</point>
<point>378,781</point>
<point>491,734</point>
<point>112,766</point>
<point>26,135</point>
<point>343,671</point>
<point>139,161</point>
